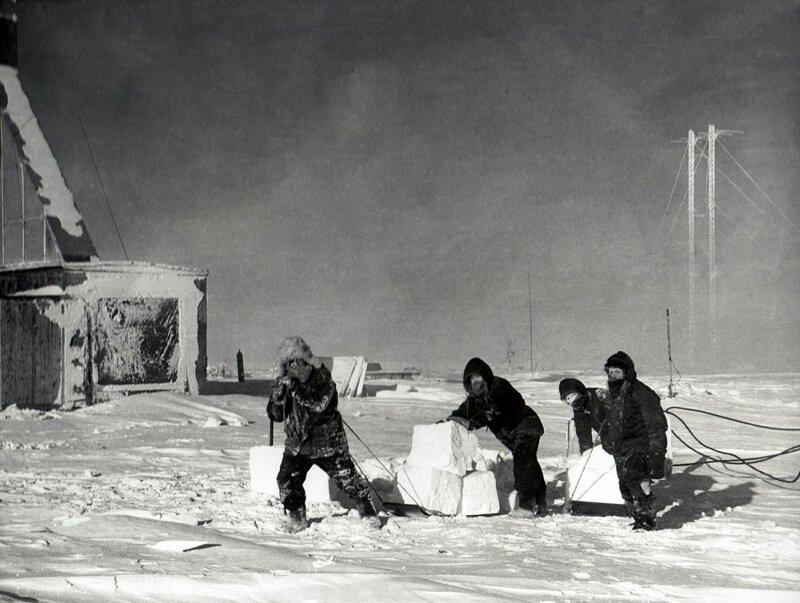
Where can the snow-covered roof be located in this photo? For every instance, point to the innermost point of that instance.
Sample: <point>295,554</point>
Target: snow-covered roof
<point>58,205</point>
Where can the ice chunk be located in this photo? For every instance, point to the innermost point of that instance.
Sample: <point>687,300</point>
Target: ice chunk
<point>479,494</point>
<point>430,489</point>
<point>445,446</point>
<point>213,421</point>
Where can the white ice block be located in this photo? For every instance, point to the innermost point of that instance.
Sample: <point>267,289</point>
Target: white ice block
<point>445,446</point>
<point>265,461</point>
<point>430,488</point>
<point>592,478</point>
<point>479,494</point>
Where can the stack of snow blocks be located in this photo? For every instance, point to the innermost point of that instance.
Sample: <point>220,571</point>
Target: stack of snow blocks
<point>439,474</point>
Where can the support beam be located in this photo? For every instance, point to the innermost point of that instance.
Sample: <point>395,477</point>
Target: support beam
<point>2,190</point>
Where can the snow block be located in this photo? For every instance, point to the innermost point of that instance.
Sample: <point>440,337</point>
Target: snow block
<point>479,494</point>
<point>444,446</point>
<point>265,461</point>
<point>430,488</point>
<point>592,478</point>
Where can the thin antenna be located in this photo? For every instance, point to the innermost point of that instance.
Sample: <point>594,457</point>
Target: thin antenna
<point>102,187</point>
<point>530,310</point>
<point>758,187</point>
<point>671,389</point>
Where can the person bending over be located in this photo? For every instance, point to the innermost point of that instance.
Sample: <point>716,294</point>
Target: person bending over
<point>494,403</point>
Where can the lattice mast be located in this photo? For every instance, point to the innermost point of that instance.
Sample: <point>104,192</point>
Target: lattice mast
<point>690,211</point>
<point>712,261</point>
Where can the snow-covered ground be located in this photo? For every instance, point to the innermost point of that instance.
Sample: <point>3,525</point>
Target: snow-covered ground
<point>141,499</point>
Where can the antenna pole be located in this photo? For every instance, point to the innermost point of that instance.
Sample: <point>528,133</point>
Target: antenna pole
<point>712,261</point>
<point>530,312</point>
<point>690,211</point>
<point>671,389</point>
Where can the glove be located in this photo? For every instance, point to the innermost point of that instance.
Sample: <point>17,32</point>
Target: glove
<point>280,388</point>
<point>460,420</point>
<point>658,466</point>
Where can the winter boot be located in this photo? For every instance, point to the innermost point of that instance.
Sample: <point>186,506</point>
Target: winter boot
<point>644,514</point>
<point>366,511</point>
<point>541,509</point>
<point>525,506</point>
<point>525,500</point>
<point>297,520</point>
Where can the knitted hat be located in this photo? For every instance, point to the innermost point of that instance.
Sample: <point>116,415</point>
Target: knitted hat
<point>292,348</point>
<point>620,360</point>
<point>569,386</point>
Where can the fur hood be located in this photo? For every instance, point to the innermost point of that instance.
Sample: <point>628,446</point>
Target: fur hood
<point>295,347</point>
<point>623,361</point>
<point>479,367</point>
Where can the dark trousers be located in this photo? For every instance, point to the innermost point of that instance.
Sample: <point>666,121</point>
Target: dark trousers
<point>339,467</point>
<point>632,468</point>
<point>528,477</point>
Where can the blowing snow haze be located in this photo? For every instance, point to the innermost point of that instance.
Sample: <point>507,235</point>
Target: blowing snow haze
<point>380,176</point>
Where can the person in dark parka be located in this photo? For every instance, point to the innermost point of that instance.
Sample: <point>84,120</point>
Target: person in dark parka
<point>632,427</point>
<point>588,411</point>
<point>304,397</point>
<point>494,403</point>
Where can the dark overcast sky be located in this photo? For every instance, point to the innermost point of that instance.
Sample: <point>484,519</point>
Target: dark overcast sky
<point>376,176</point>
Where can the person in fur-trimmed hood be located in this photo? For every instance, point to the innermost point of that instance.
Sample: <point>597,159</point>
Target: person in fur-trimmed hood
<point>494,403</point>
<point>305,399</point>
<point>634,431</point>
<point>588,411</point>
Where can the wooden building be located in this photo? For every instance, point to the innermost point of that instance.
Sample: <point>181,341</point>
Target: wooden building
<point>76,333</point>
<point>75,329</point>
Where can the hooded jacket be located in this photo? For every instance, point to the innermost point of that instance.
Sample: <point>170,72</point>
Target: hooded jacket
<point>634,417</point>
<point>503,410</point>
<point>589,412</point>
<point>310,415</point>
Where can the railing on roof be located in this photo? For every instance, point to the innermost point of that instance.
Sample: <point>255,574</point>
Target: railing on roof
<point>25,237</point>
